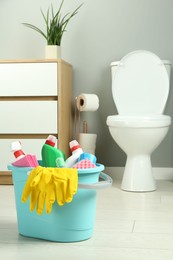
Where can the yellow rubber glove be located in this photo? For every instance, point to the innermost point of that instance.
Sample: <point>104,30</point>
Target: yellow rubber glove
<point>40,187</point>
<point>45,185</point>
<point>50,196</point>
<point>36,172</point>
<point>49,190</point>
<point>44,191</point>
<point>33,198</point>
<point>66,182</point>
<point>72,184</point>
<point>60,182</point>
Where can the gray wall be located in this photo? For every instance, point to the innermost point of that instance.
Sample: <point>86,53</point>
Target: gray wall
<point>103,31</point>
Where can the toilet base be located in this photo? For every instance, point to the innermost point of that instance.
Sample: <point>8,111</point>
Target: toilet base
<point>138,175</point>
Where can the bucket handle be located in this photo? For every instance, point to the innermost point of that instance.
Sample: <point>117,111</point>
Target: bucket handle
<point>107,182</point>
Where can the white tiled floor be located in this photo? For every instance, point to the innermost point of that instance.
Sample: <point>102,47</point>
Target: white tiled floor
<point>129,226</point>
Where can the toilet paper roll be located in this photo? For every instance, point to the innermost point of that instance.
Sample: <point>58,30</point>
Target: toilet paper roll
<point>87,102</point>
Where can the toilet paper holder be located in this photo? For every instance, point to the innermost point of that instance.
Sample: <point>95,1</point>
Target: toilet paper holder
<point>84,102</point>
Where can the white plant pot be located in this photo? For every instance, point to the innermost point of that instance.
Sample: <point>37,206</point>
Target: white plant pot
<point>52,52</point>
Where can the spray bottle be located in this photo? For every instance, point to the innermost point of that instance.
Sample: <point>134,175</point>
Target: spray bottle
<point>50,153</point>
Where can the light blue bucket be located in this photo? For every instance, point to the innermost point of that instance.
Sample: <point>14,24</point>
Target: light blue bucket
<point>69,223</point>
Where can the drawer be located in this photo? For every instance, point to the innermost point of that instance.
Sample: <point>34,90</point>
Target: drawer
<point>28,79</point>
<point>28,117</point>
<point>29,146</point>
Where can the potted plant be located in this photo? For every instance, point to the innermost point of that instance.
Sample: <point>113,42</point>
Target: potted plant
<point>55,27</point>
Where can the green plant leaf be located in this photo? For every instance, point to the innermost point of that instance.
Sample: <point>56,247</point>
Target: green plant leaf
<point>35,28</point>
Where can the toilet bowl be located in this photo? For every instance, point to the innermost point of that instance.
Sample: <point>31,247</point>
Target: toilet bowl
<point>140,87</point>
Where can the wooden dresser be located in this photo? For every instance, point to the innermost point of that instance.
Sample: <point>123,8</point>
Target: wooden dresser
<point>35,101</point>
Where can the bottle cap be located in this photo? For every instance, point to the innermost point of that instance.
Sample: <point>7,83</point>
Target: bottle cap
<point>17,149</point>
<point>74,145</point>
<point>51,140</point>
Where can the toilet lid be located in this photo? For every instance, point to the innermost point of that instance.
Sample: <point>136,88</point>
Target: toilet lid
<point>141,84</point>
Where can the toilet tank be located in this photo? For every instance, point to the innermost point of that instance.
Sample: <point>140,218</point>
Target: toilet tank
<point>167,64</point>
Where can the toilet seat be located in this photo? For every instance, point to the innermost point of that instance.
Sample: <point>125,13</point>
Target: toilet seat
<point>140,85</point>
<point>139,121</point>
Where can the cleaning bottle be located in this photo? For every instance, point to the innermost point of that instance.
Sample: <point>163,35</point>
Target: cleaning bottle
<point>50,153</point>
<point>16,148</point>
<point>76,152</point>
<point>22,159</point>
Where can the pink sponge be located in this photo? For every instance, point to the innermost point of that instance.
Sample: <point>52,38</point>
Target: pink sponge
<point>26,161</point>
<point>84,164</point>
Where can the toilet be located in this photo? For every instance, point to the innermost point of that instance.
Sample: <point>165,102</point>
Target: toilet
<point>140,88</point>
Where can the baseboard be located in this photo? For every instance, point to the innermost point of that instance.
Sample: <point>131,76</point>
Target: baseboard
<point>158,172</point>
<point>6,178</point>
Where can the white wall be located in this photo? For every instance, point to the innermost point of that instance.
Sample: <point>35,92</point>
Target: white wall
<point>103,31</point>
